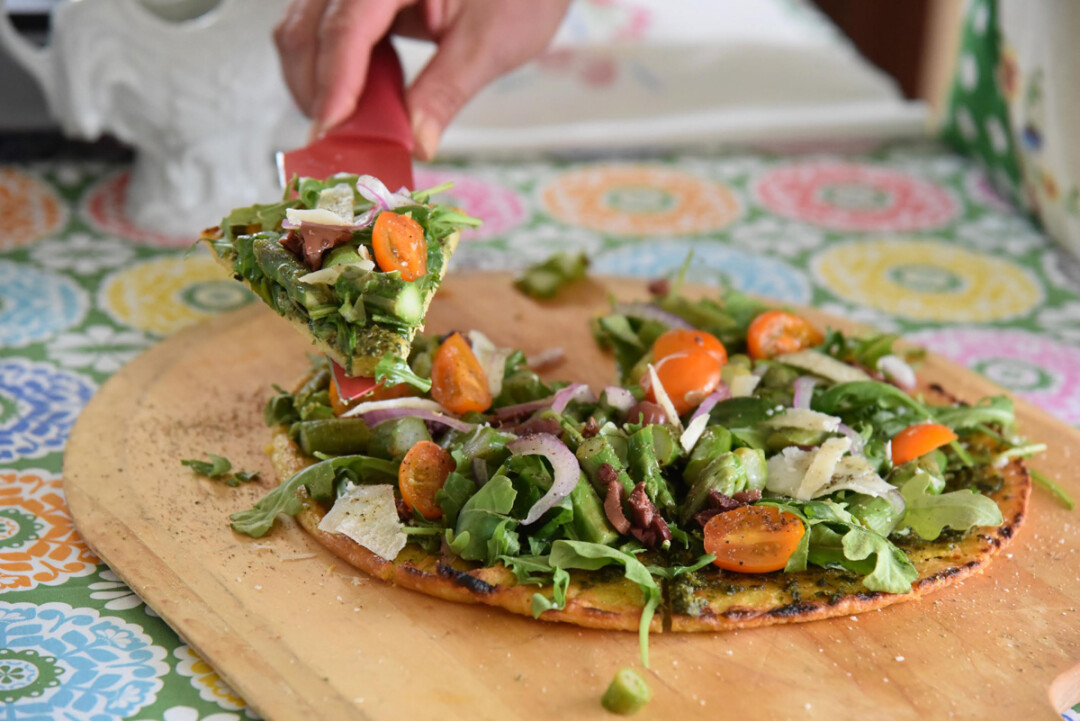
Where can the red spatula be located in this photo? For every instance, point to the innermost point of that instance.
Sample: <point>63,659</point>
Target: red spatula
<point>375,140</point>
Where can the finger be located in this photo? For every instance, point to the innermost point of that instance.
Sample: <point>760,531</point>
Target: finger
<point>296,40</point>
<point>347,33</point>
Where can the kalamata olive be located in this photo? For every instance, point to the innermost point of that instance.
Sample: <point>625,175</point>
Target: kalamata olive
<point>646,413</point>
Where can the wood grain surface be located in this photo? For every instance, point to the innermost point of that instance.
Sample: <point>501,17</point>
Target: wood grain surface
<point>301,636</point>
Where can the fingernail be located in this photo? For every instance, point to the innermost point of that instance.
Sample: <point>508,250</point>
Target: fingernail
<point>318,129</point>
<point>426,134</point>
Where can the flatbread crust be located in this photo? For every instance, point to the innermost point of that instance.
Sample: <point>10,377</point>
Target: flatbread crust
<point>379,341</point>
<point>707,600</point>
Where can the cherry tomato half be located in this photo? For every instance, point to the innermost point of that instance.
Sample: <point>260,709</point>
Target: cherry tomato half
<point>775,332</point>
<point>687,378</point>
<point>753,539</point>
<point>399,245</point>
<point>458,381</point>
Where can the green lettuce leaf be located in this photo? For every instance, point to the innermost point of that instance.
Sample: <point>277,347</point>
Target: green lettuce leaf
<point>928,514</point>
<point>560,582</point>
<point>484,529</point>
<point>591,556</point>
<point>893,572</point>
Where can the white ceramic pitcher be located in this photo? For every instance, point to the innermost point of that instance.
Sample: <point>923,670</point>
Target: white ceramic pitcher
<point>193,85</point>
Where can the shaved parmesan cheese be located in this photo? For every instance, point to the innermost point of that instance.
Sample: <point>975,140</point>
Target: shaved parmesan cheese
<point>786,470</point>
<point>410,402</point>
<point>662,398</point>
<point>822,467</point>
<point>491,358</point>
<point>804,418</point>
<point>338,199</point>
<point>743,385</point>
<point>854,473</point>
<point>693,432</point>
<point>368,515</point>
<point>318,216</point>
<point>804,474</point>
<point>822,365</point>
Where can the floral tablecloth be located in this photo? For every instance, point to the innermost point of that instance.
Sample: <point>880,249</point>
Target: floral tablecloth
<point>904,237</point>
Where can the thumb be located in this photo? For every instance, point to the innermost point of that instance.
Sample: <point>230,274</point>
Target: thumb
<point>457,72</point>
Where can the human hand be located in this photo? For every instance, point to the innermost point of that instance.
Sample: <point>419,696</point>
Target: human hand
<point>325,46</point>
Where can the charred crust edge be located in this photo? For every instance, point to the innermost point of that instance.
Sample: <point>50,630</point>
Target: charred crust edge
<point>465,580</point>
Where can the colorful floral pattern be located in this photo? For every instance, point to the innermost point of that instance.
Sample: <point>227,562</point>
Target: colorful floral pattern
<point>713,264</point>
<point>38,543</point>
<point>29,209</point>
<point>109,298</point>
<point>82,253</point>
<point>103,208</point>
<point>639,200</point>
<point>162,296</point>
<point>1033,367</point>
<point>72,663</point>
<point>500,208</point>
<point>35,304</point>
<point>927,280</point>
<point>205,679</point>
<point>855,197</point>
<point>100,348</point>
<point>38,407</point>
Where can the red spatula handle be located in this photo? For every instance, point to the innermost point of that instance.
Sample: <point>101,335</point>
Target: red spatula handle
<point>375,140</point>
<point>380,112</point>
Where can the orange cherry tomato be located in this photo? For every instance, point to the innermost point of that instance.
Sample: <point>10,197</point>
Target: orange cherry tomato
<point>753,539</point>
<point>422,473</point>
<point>918,440</point>
<point>687,378</point>
<point>458,381</point>
<point>775,332</point>
<point>682,340</point>
<point>399,245</point>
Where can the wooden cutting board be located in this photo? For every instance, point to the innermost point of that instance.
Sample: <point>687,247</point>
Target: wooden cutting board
<point>301,636</point>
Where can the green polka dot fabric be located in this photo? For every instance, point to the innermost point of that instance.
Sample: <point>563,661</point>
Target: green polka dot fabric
<point>909,237</point>
<point>977,120</point>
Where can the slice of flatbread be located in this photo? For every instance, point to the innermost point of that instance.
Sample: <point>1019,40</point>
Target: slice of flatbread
<point>373,341</point>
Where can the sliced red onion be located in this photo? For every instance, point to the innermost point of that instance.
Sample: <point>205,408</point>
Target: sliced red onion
<point>896,501</point>
<point>896,370</point>
<point>376,192</point>
<point>545,359</point>
<point>522,409</point>
<point>646,311</point>
<point>619,398</point>
<point>374,418</point>
<point>804,391</point>
<point>480,471</point>
<point>574,392</point>
<point>856,440</point>
<point>722,392</point>
<point>563,463</point>
<point>407,402</point>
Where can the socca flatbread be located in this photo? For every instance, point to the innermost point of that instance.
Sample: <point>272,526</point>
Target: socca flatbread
<point>710,599</point>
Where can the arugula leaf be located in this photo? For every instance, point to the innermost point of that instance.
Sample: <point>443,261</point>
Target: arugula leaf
<point>524,568</point>
<point>216,467</point>
<point>998,409</point>
<point>280,408</point>
<point>893,572</point>
<point>836,539</point>
<point>484,519</point>
<point>591,556</point>
<point>392,370</point>
<point>457,489</point>
<point>867,393</point>
<point>673,572</point>
<point>541,603</point>
<point>546,278</point>
<point>928,514</point>
<point>320,480</point>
